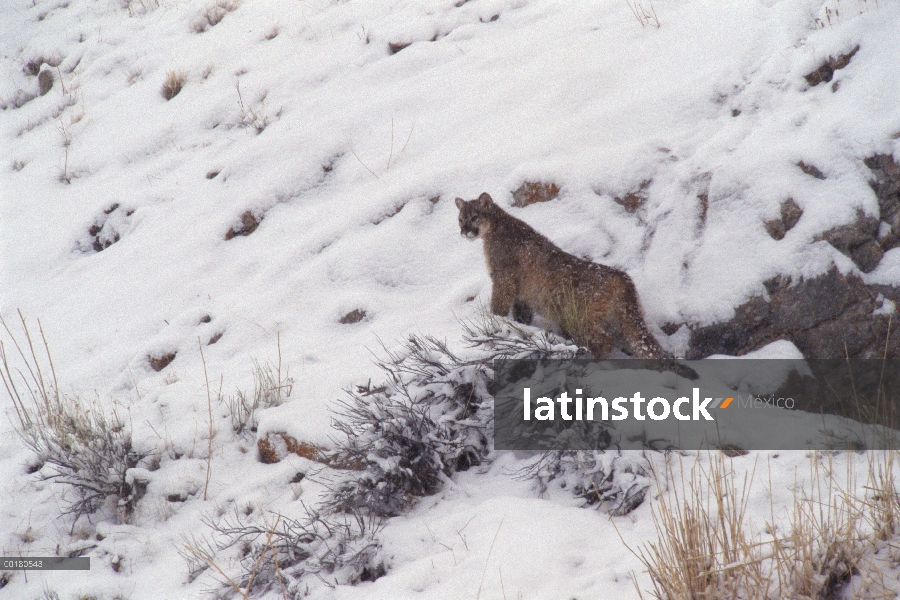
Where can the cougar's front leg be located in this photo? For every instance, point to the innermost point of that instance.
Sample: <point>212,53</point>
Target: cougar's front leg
<point>502,295</point>
<point>522,313</point>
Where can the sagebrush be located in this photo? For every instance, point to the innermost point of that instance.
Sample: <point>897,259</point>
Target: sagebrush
<point>75,441</point>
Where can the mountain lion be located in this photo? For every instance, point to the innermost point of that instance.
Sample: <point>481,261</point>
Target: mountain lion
<point>595,305</point>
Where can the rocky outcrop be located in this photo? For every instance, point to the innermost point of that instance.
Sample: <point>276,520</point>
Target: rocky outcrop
<point>858,240</point>
<point>868,238</point>
<point>829,316</point>
<point>885,183</point>
<point>832,315</point>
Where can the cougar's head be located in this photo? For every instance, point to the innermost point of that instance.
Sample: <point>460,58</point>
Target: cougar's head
<point>474,216</point>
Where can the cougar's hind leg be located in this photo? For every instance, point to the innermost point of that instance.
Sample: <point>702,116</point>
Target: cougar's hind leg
<point>638,340</point>
<point>600,342</point>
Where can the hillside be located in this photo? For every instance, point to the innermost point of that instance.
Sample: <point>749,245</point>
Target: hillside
<point>274,181</point>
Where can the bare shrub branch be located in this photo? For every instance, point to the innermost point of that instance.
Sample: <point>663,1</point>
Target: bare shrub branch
<point>336,548</point>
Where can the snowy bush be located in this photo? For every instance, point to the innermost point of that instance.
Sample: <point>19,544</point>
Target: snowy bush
<point>75,441</point>
<point>337,548</point>
<point>430,417</point>
<point>615,480</point>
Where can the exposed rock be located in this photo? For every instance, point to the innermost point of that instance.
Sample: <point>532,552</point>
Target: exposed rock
<point>275,446</point>
<point>634,200</point>
<point>249,223</point>
<point>867,255</point>
<point>790,214</point>
<point>863,391</point>
<point>104,232</point>
<point>33,66</point>
<point>885,183</point>
<point>825,72</point>
<point>811,170</point>
<point>703,199</point>
<point>45,81</point>
<point>395,47</point>
<point>158,363</point>
<point>531,192</point>
<point>829,316</point>
<point>858,241</point>
<point>670,328</point>
<point>732,451</point>
<point>354,316</point>
<point>867,239</point>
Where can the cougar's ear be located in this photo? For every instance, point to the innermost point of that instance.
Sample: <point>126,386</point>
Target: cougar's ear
<point>460,203</point>
<point>485,199</point>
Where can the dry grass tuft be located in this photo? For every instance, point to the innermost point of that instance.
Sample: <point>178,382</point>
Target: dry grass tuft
<point>212,15</point>
<point>134,75</point>
<point>831,547</point>
<point>646,15</point>
<point>271,387</point>
<point>255,116</point>
<point>175,80</point>
<point>703,549</point>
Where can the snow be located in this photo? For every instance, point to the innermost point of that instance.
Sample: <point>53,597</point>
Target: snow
<point>713,104</point>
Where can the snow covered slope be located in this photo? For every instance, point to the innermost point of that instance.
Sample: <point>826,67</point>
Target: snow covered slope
<point>345,130</point>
